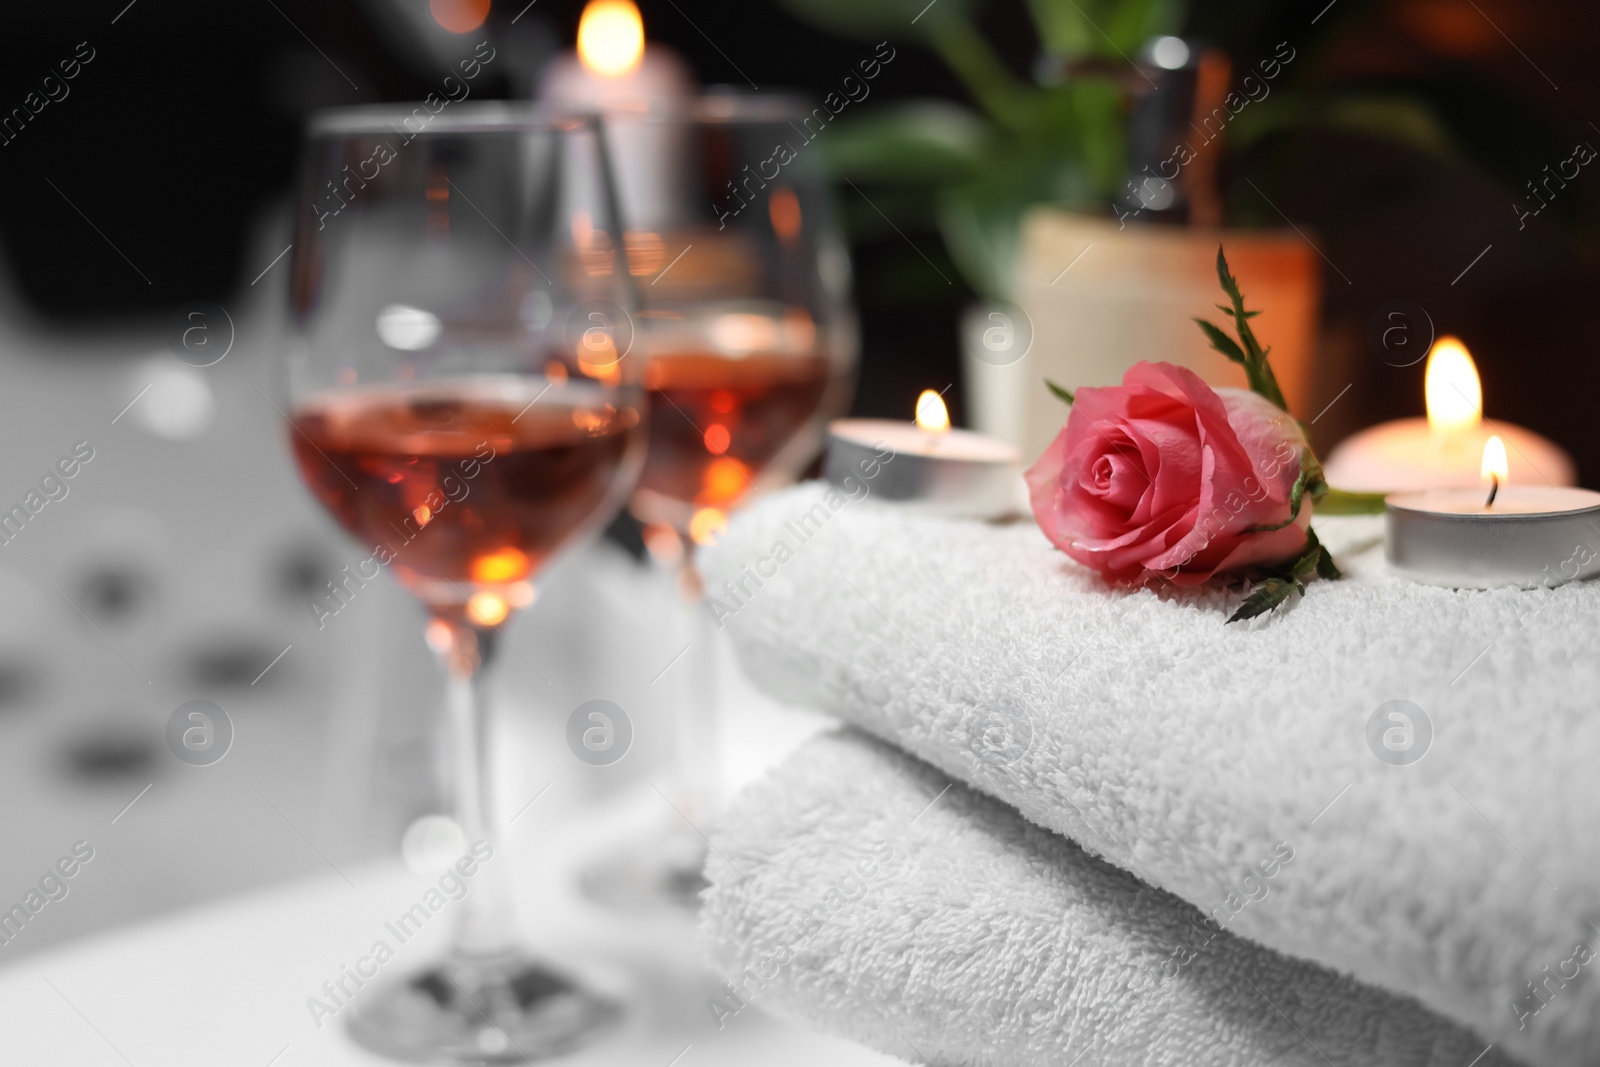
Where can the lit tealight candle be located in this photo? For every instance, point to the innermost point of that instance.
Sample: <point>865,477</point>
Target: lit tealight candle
<point>1496,534</point>
<point>613,69</point>
<point>1442,450</point>
<point>926,464</point>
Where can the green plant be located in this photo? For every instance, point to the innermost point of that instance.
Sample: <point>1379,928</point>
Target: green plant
<point>1024,144</point>
<point>972,170</point>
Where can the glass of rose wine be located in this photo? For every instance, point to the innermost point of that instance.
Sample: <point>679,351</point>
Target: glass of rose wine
<point>463,401</point>
<point>744,300</point>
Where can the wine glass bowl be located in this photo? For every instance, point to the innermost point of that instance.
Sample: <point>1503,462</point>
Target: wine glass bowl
<point>723,424</point>
<point>752,342</point>
<point>465,400</point>
<point>461,362</point>
<point>467,488</point>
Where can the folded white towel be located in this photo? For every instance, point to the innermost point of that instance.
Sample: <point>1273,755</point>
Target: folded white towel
<point>852,892</point>
<point>1183,749</point>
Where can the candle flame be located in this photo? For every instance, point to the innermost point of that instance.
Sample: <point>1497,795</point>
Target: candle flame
<point>1495,467</point>
<point>1454,393</point>
<point>932,415</point>
<point>610,37</point>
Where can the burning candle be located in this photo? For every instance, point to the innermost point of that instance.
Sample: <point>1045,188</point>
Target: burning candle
<point>1496,534</point>
<point>926,464</point>
<point>614,71</point>
<point>1442,451</point>
<point>613,68</point>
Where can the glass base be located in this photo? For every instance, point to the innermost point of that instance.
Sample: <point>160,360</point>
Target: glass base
<point>664,871</point>
<point>505,1011</point>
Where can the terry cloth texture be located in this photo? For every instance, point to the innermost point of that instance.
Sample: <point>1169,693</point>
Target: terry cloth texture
<point>1184,750</point>
<point>853,892</point>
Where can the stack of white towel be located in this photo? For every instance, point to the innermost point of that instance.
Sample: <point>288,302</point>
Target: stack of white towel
<point>1165,840</point>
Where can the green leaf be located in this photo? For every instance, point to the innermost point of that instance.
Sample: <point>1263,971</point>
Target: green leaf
<point>1063,147</point>
<point>1306,565</point>
<point>1263,598</point>
<point>968,55</point>
<point>1344,502</point>
<point>1064,29</point>
<point>1109,30</point>
<point>1316,479</point>
<point>1226,280</point>
<point>981,220</point>
<point>1285,111</point>
<point>1221,341</point>
<point>1391,117</point>
<point>1130,23</point>
<point>1297,493</point>
<point>1095,118</point>
<point>1060,393</point>
<point>921,143</point>
<point>981,224</point>
<point>1274,588</point>
<point>1257,369</point>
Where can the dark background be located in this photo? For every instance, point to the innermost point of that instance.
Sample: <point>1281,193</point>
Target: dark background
<point>182,131</point>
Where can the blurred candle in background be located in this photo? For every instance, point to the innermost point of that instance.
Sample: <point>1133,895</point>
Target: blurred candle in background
<point>1444,450</point>
<point>614,71</point>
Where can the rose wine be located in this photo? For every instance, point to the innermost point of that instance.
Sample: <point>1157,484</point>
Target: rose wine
<point>717,423</point>
<point>457,486</point>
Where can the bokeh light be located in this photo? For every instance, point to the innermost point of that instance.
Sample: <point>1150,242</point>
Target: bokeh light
<point>459,16</point>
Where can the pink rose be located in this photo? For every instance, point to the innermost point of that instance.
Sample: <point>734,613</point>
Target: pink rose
<point>1163,477</point>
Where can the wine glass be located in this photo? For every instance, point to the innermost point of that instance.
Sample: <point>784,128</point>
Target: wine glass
<point>744,285</point>
<point>463,402</point>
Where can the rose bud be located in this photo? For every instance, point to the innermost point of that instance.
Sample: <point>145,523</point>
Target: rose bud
<point>1164,478</point>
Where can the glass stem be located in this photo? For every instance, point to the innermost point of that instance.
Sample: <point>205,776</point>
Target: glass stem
<point>484,925</point>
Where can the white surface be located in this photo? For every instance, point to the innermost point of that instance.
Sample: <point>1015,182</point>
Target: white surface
<point>229,984</point>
